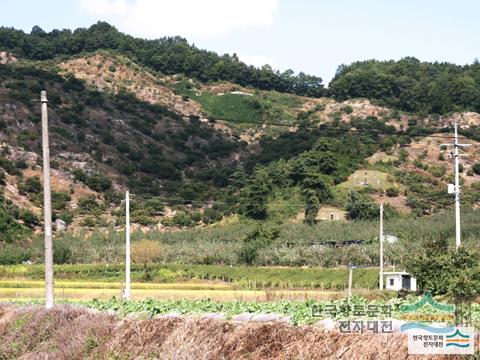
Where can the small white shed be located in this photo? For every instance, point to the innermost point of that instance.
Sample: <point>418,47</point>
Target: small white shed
<point>400,280</point>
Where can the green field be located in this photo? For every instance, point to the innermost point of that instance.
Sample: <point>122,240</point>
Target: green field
<point>297,311</point>
<point>175,282</point>
<point>241,276</point>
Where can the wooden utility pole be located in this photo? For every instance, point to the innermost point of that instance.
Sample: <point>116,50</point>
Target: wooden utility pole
<point>381,247</point>
<point>47,206</point>
<point>126,295</point>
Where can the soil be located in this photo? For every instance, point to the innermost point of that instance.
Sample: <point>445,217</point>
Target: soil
<point>68,332</point>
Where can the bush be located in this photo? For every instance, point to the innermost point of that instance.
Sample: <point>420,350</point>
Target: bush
<point>60,200</point>
<point>257,239</point>
<point>142,217</point>
<point>88,204</point>
<point>31,185</point>
<point>360,208</point>
<point>13,254</point>
<point>66,216</point>
<point>21,164</point>
<point>210,216</point>
<point>61,253</point>
<point>29,218</point>
<point>8,166</point>
<point>181,219</point>
<point>99,182</point>
<point>79,175</point>
<point>438,171</point>
<point>94,221</point>
<point>476,168</point>
<point>145,252</point>
<point>392,192</point>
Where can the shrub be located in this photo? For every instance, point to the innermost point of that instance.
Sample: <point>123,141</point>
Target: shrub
<point>99,182</point>
<point>392,192</point>
<point>10,230</point>
<point>347,109</point>
<point>438,171</point>
<point>61,252</point>
<point>94,221</point>
<point>29,218</point>
<point>154,206</point>
<point>31,185</point>
<point>358,207</point>
<point>13,254</point>
<point>21,164</point>
<point>66,216</point>
<point>145,252</point>
<point>476,168</point>
<point>210,216</point>
<point>88,204</point>
<point>60,200</point>
<point>9,167</point>
<point>79,175</point>
<point>183,219</point>
<point>257,239</point>
<point>142,217</point>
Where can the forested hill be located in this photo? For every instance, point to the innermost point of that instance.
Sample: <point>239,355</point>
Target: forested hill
<point>411,85</point>
<point>194,149</point>
<point>408,84</point>
<point>168,55</point>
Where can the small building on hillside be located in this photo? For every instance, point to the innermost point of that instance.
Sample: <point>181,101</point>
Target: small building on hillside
<point>331,213</point>
<point>400,280</point>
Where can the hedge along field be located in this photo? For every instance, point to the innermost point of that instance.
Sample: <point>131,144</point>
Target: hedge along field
<point>243,276</point>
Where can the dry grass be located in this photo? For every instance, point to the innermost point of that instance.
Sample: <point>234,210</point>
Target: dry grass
<point>12,293</point>
<point>188,285</point>
<point>76,333</point>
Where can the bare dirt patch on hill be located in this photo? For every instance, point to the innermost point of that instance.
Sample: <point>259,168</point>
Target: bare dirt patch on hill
<point>113,74</point>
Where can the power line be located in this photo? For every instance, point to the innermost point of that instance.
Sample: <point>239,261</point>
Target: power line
<point>212,202</point>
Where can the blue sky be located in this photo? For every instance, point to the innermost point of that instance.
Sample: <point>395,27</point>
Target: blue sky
<point>304,35</point>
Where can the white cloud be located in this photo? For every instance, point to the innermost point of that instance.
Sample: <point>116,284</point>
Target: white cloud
<point>257,60</point>
<point>189,18</point>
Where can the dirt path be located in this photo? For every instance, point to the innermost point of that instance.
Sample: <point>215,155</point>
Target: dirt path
<point>76,333</point>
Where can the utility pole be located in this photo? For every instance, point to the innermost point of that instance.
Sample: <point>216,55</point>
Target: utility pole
<point>350,278</point>
<point>47,206</point>
<point>458,234</point>
<point>456,189</point>
<point>126,295</point>
<point>381,247</point>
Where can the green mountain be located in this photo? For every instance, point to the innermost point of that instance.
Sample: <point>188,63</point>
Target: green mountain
<point>197,137</point>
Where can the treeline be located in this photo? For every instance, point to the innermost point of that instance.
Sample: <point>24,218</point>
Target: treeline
<point>168,55</point>
<point>411,85</point>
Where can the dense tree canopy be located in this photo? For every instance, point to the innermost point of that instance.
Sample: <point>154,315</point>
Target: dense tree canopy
<point>169,55</point>
<point>411,85</point>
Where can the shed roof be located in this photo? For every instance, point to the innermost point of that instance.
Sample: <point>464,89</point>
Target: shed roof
<point>397,273</point>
